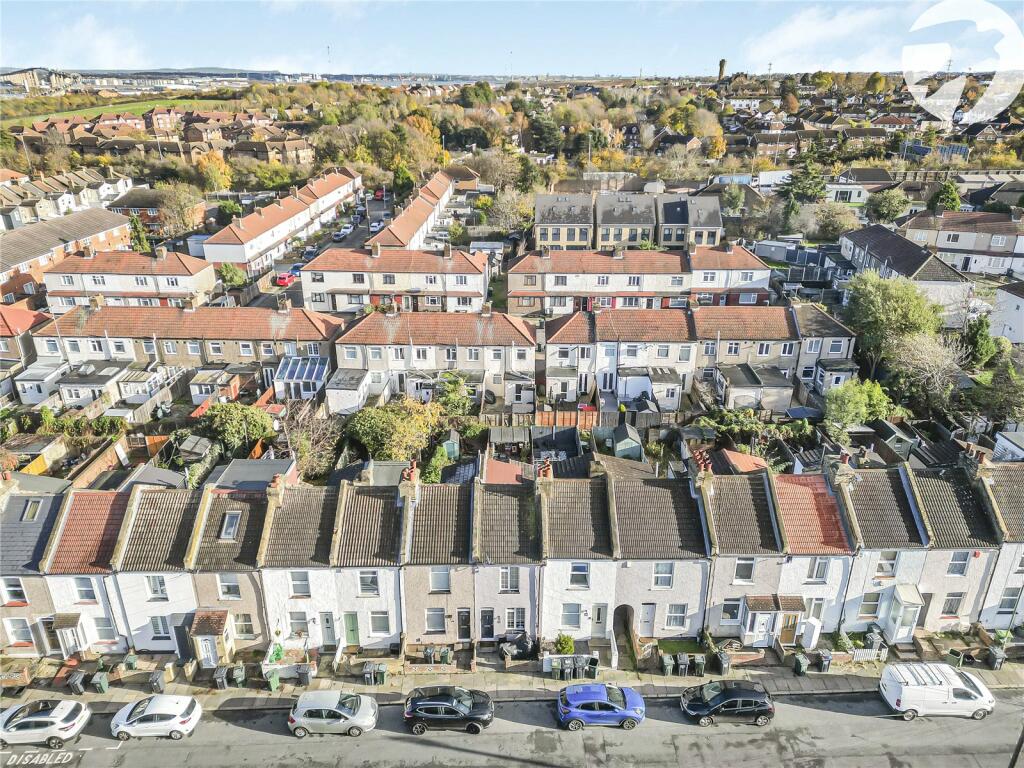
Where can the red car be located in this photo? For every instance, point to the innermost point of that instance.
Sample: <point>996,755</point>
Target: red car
<point>285,279</point>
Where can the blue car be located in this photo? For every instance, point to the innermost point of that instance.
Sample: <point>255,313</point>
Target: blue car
<point>597,704</point>
<point>296,268</point>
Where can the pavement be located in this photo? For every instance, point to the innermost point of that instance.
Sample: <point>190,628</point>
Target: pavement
<point>846,731</point>
<point>510,686</point>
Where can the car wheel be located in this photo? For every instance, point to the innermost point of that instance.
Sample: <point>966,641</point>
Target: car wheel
<point>762,721</point>
<point>3,744</point>
<point>300,733</point>
<point>355,730</point>
<point>123,735</point>
<point>980,714</point>
<point>176,735</point>
<point>910,714</point>
<point>474,728</point>
<point>419,729</point>
<point>705,721</point>
<point>575,725</point>
<point>628,724</point>
<point>55,742</point>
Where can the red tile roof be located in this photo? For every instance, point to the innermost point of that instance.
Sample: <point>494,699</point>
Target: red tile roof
<point>753,323</point>
<point>963,221</point>
<point>398,260</point>
<point>810,516</point>
<point>402,228</point>
<point>324,185</point>
<point>131,263</point>
<point>708,257</point>
<point>621,325</point>
<point>88,533</point>
<point>261,220</point>
<point>433,328</point>
<point>14,321</point>
<point>744,462</point>
<point>243,323</point>
<point>632,262</point>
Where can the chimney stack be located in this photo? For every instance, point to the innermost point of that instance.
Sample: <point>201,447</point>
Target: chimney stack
<point>160,252</point>
<point>446,252</point>
<point>284,304</point>
<point>939,210</point>
<point>545,252</point>
<point>485,310</point>
<point>375,251</point>
<point>96,301</point>
<point>88,252</point>
<point>728,246</point>
<point>619,253</point>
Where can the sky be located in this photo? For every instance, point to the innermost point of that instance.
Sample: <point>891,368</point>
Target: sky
<point>655,37</point>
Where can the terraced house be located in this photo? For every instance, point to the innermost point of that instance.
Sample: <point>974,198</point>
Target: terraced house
<point>624,220</point>
<point>345,280</point>
<point>564,222</point>
<point>978,242</point>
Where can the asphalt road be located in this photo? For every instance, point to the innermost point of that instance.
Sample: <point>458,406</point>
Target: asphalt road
<point>812,731</point>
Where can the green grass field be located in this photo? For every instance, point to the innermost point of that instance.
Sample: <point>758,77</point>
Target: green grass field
<point>135,107</point>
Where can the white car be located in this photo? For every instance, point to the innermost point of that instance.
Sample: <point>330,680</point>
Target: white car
<point>376,226</point>
<point>47,721</point>
<point>161,715</point>
<point>332,712</point>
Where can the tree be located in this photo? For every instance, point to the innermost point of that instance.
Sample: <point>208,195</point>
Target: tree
<point>854,402</point>
<point>883,311</point>
<point>545,135</point>
<point>227,210</point>
<point>806,184</point>
<point>947,196</point>
<point>313,440</point>
<point>510,210</point>
<point>438,461</point>
<point>1003,400</point>
<point>790,103</point>
<point>479,94</point>
<point>886,205</point>
<point>140,242</point>
<point>978,339</point>
<point>876,82</point>
<point>402,183</point>
<point>178,210</point>
<point>833,219</point>
<point>231,276</point>
<point>397,431</point>
<point>457,233</point>
<point>453,395</point>
<point>732,199</point>
<point>273,175</point>
<point>931,364</point>
<point>215,174</point>
<point>715,147</point>
<point>822,80</point>
<point>529,176</point>
<point>236,425</point>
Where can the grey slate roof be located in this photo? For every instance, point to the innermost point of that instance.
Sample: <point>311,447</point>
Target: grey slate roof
<point>509,524</point>
<point>24,541</point>
<point>744,522</point>
<point>163,524</point>
<point>883,510</point>
<point>814,322</point>
<point>577,524</point>
<point>955,513</point>
<point>625,209</point>
<point>1008,490</point>
<point>658,520</point>
<point>23,244</point>
<point>302,528</point>
<point>371,527</point>
<point>902,255</point>
<point>238,554</point>
<point>689,210</point>
<point>440,525</point>
<point>564,209</point>
<point>252,474</point>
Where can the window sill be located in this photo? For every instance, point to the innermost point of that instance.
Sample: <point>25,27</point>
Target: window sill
<point>375,594</point>
<point>508,591</point>
<point>158,600</point>
<point>88,602</point>
<point>21,645</point>
<point>439,592</point>
<point>155,637</point>
<point>300,597</point>
<point>16,604</point>
<point>579,589</point>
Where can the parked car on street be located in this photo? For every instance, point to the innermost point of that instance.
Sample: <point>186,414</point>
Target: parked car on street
<point>52,722</point>
<point>309,252</point>
<point>728,700</point>
<point>923,688</point>
<point>600,704</point>
<point>296,269</point>
<point>376,226</point>
<point>448,707</point>
<point>284,279</point>
<point>332,712</point>
<point>161,715</point>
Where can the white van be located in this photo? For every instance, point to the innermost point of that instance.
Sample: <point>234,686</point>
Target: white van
<point>923,688</point>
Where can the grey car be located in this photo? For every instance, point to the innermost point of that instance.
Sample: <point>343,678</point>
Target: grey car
<point>332,712</point>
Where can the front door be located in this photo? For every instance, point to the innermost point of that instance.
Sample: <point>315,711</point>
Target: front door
<point>646,628</point>
<point>207,652</point>
<point>599,621</point>
<point>486,623</point>
<point>69,641</point>
<point>465,625</point>
<point>401,383</point>
<point>328,637</point>
<point>52,641</point>
<point>787,635</point>
<point>582,385</point>
<point>761,629</point>
<point>351,629</point>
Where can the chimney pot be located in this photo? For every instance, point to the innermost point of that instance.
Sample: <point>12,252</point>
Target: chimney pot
<point>844,457</point>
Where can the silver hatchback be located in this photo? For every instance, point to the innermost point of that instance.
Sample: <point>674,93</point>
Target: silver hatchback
<point>332,712</point>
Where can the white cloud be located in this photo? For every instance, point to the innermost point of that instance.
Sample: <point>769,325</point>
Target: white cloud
<point>85,43</point>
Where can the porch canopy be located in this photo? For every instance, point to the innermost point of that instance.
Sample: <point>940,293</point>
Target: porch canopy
<point>66,620</point>
<point>209,622</point>
<point>774,603</point>
<point>909,594</point>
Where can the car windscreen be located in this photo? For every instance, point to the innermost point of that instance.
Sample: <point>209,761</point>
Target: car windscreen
<point>710,691</point>
<point>75,711</point>
<point>190,708</point>
<point>616,696</point>
<point>463,698</point>
<point>348,704</point>
<point>138,709</point>
<point>563,699</point>
<point>969,684</point>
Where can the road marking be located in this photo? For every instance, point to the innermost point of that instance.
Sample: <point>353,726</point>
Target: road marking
<point>117,747</point>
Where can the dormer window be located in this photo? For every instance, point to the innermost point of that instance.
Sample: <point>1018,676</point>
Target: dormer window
<point>31,510</point>
<point>229,528</point>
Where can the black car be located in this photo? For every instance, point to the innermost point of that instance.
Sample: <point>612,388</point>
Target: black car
<point>735,701</point>
<point>448,707</point>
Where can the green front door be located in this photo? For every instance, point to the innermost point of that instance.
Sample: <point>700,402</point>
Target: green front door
<point>351,629</point>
